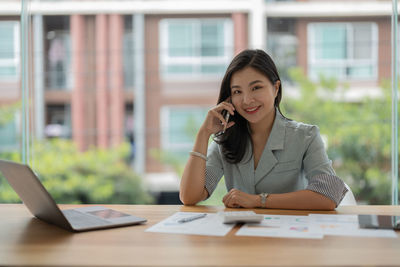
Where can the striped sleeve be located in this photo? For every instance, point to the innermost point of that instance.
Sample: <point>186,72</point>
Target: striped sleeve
<point>214,168</point>
<point>212,180</point>
<point>318,169</point>
<point>328,185</point>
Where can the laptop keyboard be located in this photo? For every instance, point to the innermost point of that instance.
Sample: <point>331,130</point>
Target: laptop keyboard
<point>81,220</point>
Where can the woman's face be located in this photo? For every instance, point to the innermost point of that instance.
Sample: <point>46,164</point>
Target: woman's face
<point>253,95</point>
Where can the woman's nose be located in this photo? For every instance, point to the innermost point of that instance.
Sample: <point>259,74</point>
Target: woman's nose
<point>247,99</point>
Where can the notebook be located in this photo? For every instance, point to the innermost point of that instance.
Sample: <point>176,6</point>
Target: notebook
<point>41,204</point>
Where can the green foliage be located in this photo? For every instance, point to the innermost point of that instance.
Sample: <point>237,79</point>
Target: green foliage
<point>169,158</point>
<point>7,113</point>
<point>94,176</point>
<point>358,134</point>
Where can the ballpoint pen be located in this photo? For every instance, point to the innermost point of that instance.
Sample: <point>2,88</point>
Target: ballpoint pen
<point>192,218</point>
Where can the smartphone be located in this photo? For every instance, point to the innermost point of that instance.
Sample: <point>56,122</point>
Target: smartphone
<point>226,115</point>
<point>379,221</point>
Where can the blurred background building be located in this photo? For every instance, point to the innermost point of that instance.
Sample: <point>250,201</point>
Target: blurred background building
<point>107,71</point>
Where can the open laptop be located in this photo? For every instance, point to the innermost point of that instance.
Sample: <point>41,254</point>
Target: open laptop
<point>40,203</point>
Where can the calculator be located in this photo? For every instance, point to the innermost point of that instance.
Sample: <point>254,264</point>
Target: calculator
<point>240,217</point>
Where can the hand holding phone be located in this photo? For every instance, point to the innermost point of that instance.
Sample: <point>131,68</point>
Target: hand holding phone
<point>227,115</point>
<point>225,112</point>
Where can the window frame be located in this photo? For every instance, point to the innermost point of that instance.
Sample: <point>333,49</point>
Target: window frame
<point>66,38</point>
<point>194,61</point>
<point>15,60</point>
<point>349,61</point>
<point>166,122</point>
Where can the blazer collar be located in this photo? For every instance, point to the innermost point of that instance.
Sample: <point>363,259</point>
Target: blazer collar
<point>276,138</point>
<point>268,160</point>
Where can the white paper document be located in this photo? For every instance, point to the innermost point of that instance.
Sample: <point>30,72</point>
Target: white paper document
<point>285,226</point>
<point>345,225</point>
<point>314,226</point>
<point>211,224</point>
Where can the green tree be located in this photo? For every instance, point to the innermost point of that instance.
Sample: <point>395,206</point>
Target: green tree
<point>7,113</point>
<point>358,134</point>
<point>94,176</point>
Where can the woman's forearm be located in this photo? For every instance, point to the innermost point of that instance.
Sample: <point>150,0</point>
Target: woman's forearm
<point>192,188</point>
<point>300,200</point>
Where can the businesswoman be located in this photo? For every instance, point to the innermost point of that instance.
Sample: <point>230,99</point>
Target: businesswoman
<point>268,161</point>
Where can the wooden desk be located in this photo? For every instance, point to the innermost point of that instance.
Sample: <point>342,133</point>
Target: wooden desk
<point>28,241</point>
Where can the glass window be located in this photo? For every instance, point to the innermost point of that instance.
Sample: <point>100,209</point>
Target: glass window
<point>9,50</point>
<point>58,52</point>
<point>346,51</point>
<point>195,47</point>
<point>128,50</point>
<point>9,133</point>
<point>355,123</point>
<point>179,127</point>
<point>59,60</point>
<point>58,121</point>
<point>282,44</point>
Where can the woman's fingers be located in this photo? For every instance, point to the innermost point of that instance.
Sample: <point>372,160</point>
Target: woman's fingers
<point>215,113</point>
<point>237,199</point>
<point>227,106</point>
<point>231,200</point>
<point>216,121</point>
<point>226,199</point>
<point>229,110</point>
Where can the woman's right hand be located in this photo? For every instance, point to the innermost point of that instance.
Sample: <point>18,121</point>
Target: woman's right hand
<point>215,121</point>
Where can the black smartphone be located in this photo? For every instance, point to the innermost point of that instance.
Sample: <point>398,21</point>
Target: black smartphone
<point>226,116</point>
<point>379,221</point>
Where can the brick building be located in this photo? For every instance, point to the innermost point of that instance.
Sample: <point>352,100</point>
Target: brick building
<point>103,71</point>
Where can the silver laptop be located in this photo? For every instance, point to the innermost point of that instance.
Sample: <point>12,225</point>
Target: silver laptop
<point>40,203</point>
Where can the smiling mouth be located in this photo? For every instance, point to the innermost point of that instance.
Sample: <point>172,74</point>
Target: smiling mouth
<point>252,110</point>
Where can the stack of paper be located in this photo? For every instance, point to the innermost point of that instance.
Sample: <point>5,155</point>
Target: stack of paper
<point>281,226</point>
<point>211,224</point>
<point>314,226</point>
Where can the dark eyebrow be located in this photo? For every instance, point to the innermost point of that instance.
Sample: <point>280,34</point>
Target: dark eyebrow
<point>253,82</point>
<point>250,84</point>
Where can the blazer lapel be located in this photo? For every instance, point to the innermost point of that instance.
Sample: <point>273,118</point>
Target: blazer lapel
<point>275,141</point>
<point>265,165</point>
<point>246,169</point>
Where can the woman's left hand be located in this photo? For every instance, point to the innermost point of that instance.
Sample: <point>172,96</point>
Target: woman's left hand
<point>238,199</point>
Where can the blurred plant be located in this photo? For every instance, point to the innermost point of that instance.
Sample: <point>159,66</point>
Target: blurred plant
<point>7,113</point>
<point>94,176</point>
<point>170,158</point>
<point>358,134</point>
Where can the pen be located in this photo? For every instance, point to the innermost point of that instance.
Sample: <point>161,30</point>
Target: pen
<point>192,218</point>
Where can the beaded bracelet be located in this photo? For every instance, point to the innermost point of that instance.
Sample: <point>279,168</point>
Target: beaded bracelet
<point>197,154</point>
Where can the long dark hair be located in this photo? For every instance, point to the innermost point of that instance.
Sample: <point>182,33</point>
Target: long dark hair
<point>235,139</point>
